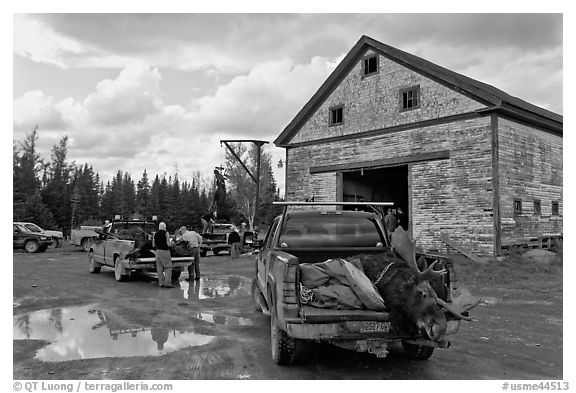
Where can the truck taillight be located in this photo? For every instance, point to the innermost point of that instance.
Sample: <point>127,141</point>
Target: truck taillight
<point>291,278</point>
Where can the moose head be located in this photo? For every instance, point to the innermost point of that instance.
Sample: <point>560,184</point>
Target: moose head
<point>422,304</point>
<point>407,290</point>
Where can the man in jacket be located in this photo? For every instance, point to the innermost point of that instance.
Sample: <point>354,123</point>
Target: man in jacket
<point>194,241</point>
<point>161,242</point>
<point>234,241</point>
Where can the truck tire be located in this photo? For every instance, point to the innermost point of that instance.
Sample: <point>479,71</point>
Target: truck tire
<point>417,352</point>
<point>32,246</point>
<point>176,274</point>
<point>85,244</point>
<point>93,266</point>
<point>119,271</point>
<point>283,346</point>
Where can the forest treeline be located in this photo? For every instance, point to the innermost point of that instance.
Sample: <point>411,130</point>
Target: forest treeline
<point>59,194</point>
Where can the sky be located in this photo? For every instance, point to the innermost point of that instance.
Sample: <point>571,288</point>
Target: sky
<point>158,92</point>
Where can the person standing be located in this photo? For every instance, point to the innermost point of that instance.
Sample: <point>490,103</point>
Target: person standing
<point>390,222</point>
<point>207,221</point>
<point>194,241</point>
<point>234,241</point>
<point>401,219</point>
<point>161,242</point>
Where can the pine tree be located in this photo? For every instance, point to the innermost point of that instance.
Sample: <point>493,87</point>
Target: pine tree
<point>56,191</point>
<point>27,200</point>
<point>128,196</point>
<point>154,202</point>
<point>143,195</point>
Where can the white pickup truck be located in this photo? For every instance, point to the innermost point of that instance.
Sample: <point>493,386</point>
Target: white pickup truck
<point>126,246</point>
<point>84,236</point>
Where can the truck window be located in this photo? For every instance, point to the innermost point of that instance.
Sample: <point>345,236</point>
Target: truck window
<point>33,228</point>
<point>270,234</point>
<point>330,231</point>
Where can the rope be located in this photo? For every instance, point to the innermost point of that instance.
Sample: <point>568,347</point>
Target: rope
<point>383,273</point>
<point>306,294</point>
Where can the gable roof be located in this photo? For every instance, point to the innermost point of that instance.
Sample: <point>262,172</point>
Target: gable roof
<point>494,98</point>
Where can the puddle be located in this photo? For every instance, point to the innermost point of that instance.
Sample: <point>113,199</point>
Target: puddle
<point>85,333</point>
<point>224,320</point>
<point>213,288</point>
<point>491,301</point>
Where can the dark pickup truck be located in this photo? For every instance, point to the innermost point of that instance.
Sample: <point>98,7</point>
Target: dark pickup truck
<point>126,246</point>
<point>321,232</point>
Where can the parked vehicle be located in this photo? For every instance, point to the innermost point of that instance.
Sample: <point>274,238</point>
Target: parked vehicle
<point>316,236</point>
<point>57,237</point>
<point>126,246</point>
<point>30,237</point>
<point>84,236</point>
<point>217,240</point>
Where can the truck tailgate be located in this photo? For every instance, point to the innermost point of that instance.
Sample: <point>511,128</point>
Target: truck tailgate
<point>311,314</point>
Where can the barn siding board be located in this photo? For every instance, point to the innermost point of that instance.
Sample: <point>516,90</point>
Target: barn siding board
<point>530,169</point>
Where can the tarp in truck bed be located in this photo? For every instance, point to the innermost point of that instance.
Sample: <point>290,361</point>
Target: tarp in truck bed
<point>339,284</point>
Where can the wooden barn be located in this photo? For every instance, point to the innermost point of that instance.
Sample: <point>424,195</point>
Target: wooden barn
<point>460,157</point>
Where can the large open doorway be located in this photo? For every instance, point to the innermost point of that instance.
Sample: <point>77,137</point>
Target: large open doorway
<point>379,185</point>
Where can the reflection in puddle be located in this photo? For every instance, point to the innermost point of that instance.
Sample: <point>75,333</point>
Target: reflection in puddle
<point>212,288</point>
<point>491,301</point>
<point>223,320</point>
<point>85,333</point>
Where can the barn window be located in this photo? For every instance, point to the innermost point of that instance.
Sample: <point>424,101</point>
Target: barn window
<point>410,98</point>
<point>555,208</point>
<point>517,207</point>
<point>537,207</point>
<point>370,66</point>
<point>336,115</point>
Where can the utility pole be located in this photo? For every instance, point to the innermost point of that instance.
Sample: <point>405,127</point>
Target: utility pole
<point>256,178</point>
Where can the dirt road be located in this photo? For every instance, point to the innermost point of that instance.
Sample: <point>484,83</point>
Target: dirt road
<point>69,324</point>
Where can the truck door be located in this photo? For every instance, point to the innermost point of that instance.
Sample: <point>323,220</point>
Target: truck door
<point>18,236</point>
<point>98,248</point>
<point>264,258</point>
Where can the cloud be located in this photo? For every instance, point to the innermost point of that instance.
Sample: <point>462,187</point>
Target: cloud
<point>34,108</point>
<point>264,100</point>
<point>124,123</point>
<point>37,41</point>
<point>129,98</point>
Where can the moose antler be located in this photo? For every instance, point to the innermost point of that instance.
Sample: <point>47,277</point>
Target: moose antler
<point>406,248</point>
<point>462,302</point>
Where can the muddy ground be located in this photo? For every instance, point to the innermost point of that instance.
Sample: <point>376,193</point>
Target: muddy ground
<point>69,324</point>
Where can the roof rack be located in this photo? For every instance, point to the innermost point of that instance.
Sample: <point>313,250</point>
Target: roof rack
<point>334,203</point>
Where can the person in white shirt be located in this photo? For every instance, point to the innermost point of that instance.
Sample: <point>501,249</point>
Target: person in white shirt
<point>194,241</point>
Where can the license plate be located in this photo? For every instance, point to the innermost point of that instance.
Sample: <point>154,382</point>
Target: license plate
<point>379,327</point>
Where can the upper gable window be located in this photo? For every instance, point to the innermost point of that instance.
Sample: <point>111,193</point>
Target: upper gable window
<point>370,65</point>
<point>410,98</point>
<point>336,115</point>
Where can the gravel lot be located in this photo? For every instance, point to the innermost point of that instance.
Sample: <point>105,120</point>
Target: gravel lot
<point>69,324</point>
